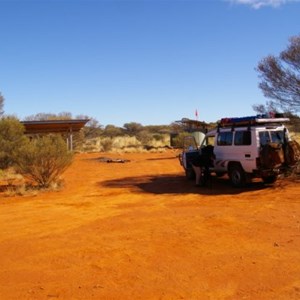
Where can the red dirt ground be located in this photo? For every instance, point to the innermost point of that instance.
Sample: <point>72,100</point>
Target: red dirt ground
<point>140,230</point>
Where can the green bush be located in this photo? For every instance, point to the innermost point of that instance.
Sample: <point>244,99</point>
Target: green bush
<point>107,144</point>
<point>11,139</point>
<point>44,159</point>
<point>178,141</point>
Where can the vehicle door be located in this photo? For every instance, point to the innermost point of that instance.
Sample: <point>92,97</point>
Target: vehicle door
<point>189,151</point>
<point>244,148</point>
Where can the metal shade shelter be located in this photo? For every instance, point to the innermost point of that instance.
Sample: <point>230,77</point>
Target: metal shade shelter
<point>193,125</point>
<point>67,127</point>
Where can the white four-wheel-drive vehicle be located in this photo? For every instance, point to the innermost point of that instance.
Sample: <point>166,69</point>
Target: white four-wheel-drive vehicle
<point>245,148</point>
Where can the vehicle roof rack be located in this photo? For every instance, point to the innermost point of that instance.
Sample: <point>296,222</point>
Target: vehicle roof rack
<point>251,121</point>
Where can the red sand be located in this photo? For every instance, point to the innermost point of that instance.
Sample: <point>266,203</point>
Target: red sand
<point>140,230</point>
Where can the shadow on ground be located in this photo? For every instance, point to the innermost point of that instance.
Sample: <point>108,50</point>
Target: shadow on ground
<point>163,158</point>
<point>177,184</point>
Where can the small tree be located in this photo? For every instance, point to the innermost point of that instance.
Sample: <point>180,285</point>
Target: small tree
<point>144,137</point>
<point>133,128</point>
<point>11,139</point>
<point>44,159</point>
<point>49,116</point>
<point>92,128</point>
<point>112,131</point>
<point>280,77</point>
<point>265,109</point>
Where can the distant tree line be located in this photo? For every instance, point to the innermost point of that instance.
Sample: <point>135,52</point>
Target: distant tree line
<point>94,129</point>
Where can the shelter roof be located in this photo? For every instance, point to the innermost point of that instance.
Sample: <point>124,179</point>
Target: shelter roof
<point>192,124</point>
<point>49,126</point>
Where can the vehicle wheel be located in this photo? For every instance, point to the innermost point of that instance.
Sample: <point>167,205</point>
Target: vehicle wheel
<point>269,179</point>
<point>237,175</point>
<point>190,174</point>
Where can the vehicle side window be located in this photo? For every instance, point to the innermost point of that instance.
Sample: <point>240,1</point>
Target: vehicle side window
<point>277,137</point>
<point>267,137</point>
<point>224,138</point>
<point>264,138</point>
<point>242,138</point>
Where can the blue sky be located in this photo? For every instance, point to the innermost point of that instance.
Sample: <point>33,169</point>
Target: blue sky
<point>151,62</point>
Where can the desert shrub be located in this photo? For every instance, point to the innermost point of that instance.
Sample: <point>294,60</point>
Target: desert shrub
<point>112,131</point>
<point>90,146</point>
<point>162,141</point>
<point>11,182</point>
<point>296,136</point>
<point>158,137</point>
<point>295,172</point>
<point>11,138</point>
<point>179,139</point>
<point>123,142</point>
<point>144,137</point>
<point>292,173</point>
<point>106,144</point>
<point>44,159</point>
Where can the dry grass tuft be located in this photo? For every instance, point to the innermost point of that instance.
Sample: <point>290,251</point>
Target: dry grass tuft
<point>125,144</point>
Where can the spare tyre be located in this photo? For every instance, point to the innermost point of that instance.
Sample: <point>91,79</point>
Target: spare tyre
<point>271,156</point>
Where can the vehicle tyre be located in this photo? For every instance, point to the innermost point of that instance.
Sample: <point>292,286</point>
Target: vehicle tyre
<point>269,179</point>
<point>237,175</point>
<point>190,174</point>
